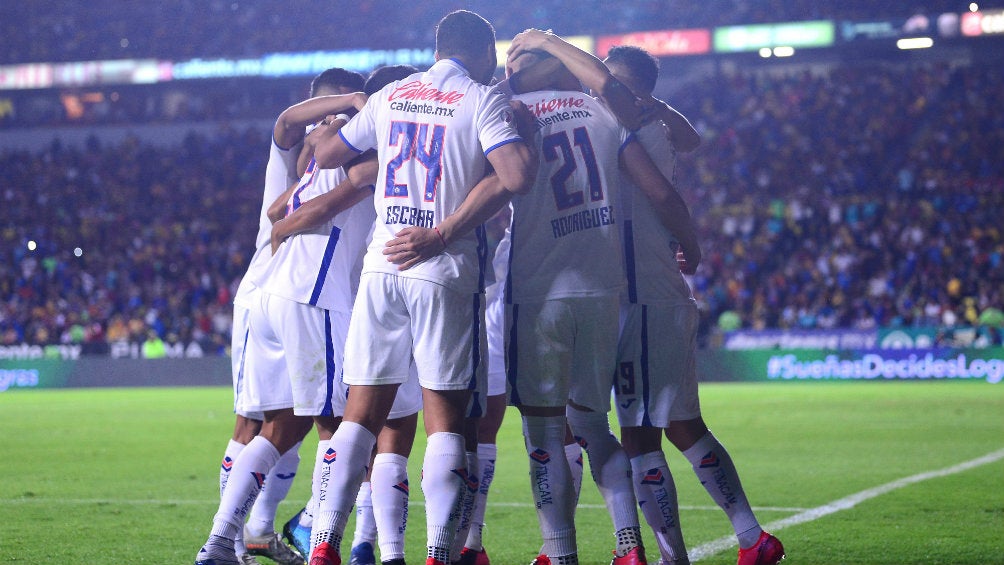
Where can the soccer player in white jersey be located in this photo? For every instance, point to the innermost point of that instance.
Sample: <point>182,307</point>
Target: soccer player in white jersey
<point>562,318</point>
<point>383,507</point>
<point>561,298</point>
<point>280,173</point>
<point>290,384</point>
<point>435,133</point>
<point>656,384</point>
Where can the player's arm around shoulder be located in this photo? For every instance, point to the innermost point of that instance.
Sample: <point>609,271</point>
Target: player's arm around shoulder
<point>331,150</point>
<point>516,163</point>
<point>289,127</point>
<point>316,211</point>
<point>666,201</point>
<point>681,132</point>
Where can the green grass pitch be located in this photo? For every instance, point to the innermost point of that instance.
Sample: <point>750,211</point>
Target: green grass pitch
<point>130,476</point>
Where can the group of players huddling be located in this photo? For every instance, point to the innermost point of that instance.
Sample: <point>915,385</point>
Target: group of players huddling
<point>373,294</point>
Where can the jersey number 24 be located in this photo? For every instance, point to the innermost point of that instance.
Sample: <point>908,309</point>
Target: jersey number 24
<point>415,143</point>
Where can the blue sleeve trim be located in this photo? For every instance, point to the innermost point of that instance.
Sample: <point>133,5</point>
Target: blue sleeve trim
<point>276,143</point>
<point>506,142</point>
<point>631,138</point>
<point>350,146</point>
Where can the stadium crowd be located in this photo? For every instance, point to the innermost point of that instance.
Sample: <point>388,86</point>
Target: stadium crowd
<point>866,196</point>
<point>128,240</point>
<point>184,29</point>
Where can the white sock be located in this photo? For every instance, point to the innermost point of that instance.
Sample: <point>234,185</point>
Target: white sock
<point>310,510</point>
<point>573,454</point>
<point>487,452</point>
<point>247,476</point>
<point>347,456</point>
<point>471,482</point>
<point>390,502</point>
<point>656,492</point>
<point>717,473</point>
<point>610,468</point>
<point>444,473</point>
<point>551,483</point>
<point>233,450</point>
<point>366,528</point>
<point>261,522</point>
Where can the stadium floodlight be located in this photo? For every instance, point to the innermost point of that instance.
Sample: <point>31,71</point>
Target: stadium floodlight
<point>915,43</point>
<point>765,52</point>
<point>784,51</point>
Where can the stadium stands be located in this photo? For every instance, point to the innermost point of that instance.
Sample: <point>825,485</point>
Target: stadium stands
<point>129,238</point>
<point>181,29</point>
<point>862,198</point>
<point>844,195</point>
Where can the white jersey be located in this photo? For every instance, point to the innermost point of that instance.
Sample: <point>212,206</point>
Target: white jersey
<point>432,132</point>
<point>280,174</point>
<point>317,267</point>
<point>653,274</point>
<point>563,239</point>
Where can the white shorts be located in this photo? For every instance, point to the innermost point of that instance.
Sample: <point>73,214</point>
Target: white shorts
<point>560,350</point>
<point>293,358</point>
<point>238,341</point>
<point>656,373</point>
<point>495,328</point>
<point>407,402</point>
<point>398,320</point>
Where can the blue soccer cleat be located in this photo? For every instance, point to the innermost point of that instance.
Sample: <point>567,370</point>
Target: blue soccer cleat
<point>362,554</point>
<point>298,536</point>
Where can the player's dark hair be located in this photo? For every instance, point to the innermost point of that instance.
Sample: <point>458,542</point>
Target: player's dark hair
<point>464,33</point>
<point>337,77</point>
<point>642,66</point>
<point>383,76</point>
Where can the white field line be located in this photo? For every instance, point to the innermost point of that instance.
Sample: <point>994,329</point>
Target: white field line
<point>708,549</point>
<point>700,552</point>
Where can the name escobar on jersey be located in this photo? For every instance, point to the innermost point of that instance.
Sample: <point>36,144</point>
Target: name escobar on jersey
<point>409,216</point>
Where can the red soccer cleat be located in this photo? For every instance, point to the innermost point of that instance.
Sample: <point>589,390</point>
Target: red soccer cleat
<point>470,556</point>
<point>431,561</point>
<point>634,557</point>
<point>766,551</point>
<point>541,559</point>
<point>325,554</point>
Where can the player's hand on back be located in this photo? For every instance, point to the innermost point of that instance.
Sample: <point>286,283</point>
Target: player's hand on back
<point>412,245</point>
<point>525,121</point>
<point>688,265</point>
<point>277,236</point>
<point>650,109</point>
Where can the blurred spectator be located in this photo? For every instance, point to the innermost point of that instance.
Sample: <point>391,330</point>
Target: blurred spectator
<point>868,196</point>
<point>862,197</point>
<point>67,30</point>
<point>153,347</point>
<point>103,244</point>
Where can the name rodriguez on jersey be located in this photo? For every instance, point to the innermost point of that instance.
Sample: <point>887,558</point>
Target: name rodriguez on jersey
<point>584,220</point>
